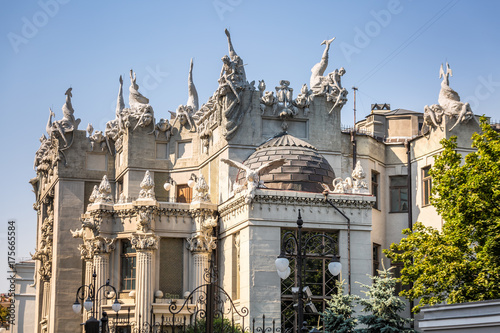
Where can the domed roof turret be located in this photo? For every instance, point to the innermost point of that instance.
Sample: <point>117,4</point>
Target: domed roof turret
<point>304,170</point>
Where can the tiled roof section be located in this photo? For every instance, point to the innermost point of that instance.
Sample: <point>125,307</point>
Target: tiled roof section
<point>286,140</point>
<point>305,169</point>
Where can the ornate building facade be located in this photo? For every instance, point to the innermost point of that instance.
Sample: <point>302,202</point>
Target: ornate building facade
<point>149,202</point>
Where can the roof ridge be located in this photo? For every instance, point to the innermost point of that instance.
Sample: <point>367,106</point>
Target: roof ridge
<point>285,140</point>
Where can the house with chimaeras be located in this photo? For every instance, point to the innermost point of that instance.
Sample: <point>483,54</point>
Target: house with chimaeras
<point>157,199</point>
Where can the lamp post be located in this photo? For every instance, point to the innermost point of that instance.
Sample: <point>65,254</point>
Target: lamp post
<point>295,247</point>
<point>92,294</point>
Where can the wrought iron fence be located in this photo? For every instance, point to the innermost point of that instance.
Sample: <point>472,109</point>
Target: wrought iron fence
<point>220,325</point>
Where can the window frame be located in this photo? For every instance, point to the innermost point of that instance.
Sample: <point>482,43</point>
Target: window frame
<point>187,143</point>
<point>328,285</point>
<point>376,248</point>
<point>179,187</point>
<point>375,183</point>
<point>399,189</point>
<point>167,259</point>
<point>128,256</point>
<point>426,186</point>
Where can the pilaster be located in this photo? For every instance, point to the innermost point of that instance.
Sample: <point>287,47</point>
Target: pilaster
<point>145,245</point>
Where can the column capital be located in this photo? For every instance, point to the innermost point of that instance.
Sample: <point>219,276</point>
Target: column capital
<point>86,251</point>
<point>144,241</point>
<point>103,245</point>
<point>98,245</point>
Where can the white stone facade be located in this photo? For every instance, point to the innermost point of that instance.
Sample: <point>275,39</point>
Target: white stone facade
<point>24,298</point>
<point>109,193</point>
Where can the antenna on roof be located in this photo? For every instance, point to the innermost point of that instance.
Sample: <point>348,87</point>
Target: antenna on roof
<point>355,89</point>
<point>353,132</point>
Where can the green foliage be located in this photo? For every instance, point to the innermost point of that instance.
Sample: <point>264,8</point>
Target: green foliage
<point>4,314</point>
<point>220,326</point>
<point>382,307</point>
<point>338,314</point>
<point>461,263</point>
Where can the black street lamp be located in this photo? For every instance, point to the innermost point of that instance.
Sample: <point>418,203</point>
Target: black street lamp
<point>295,247</point>
<point>92,324</point>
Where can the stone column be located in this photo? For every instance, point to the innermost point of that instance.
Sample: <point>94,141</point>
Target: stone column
<point>199,277</point>
<point>88,257</point>
<point>102,247</point>
<point>145,245</point>
<point>44,323</point>
<point>101,267</point>
<point>201,245</point>
<point>89,270</point>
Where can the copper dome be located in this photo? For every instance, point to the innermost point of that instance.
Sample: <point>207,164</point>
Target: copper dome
<point>304,170</point>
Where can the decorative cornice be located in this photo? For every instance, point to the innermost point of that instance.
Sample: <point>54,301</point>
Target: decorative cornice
<point>93,218</point>
<point>343,201</point>
<point>317,201</point>
<point>231,206</point>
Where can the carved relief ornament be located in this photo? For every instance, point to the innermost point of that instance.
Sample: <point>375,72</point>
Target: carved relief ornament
<point>201,190</point>
<point>103,194</point>
<point>44,251</point>
<point>144,241</point>
<point>147,188</point>
<point>203,240</point>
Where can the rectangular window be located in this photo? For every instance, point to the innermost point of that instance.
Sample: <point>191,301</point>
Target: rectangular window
<point>376,259</point>
<point>171,267</point>
<point>119,189</point>
<point>97,162</point>
<point>399,194</point>
<point>184,149</point>
<point>160,179</point>
<point>426,186</point>
<point>396,271</point>
<point>128,263</point>
<point>161,151</point>
<point>375,181</point>
<point>184,193</point>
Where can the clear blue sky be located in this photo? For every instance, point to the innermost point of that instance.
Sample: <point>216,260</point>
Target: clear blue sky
<point>391,51</point>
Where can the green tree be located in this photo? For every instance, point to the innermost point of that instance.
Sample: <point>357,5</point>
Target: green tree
<point>4,314</point>
<point>383,307</point>
<point>338,314</point>
<point>461,263</point>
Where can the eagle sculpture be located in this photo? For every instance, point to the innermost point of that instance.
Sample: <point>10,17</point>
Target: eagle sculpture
<point>252,177</point>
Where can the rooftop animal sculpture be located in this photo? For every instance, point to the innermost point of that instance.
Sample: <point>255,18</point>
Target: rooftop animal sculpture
<point>252,176</point>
